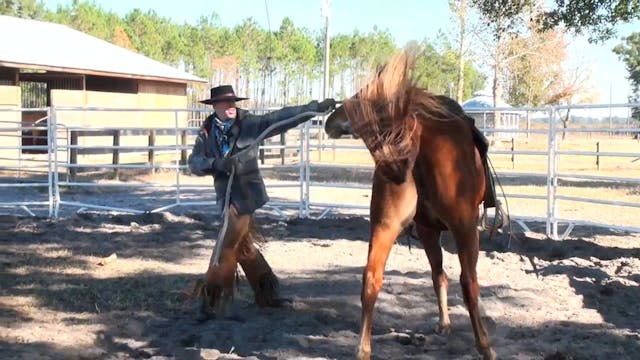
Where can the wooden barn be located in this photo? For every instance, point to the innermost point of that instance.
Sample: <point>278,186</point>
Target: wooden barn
<point>46,65</point>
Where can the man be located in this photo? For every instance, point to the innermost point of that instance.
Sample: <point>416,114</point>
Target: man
<point>227,132</point>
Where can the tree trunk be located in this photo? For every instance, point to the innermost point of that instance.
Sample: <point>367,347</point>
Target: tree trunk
<point>497,84</point>
<point>496,90</point>
<point>462,15</point>
<point>285,89</point>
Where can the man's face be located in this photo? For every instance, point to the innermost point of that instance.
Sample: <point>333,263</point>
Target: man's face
<point>225,109</point>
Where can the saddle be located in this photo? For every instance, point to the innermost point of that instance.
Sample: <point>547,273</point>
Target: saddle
<point>482,144</point>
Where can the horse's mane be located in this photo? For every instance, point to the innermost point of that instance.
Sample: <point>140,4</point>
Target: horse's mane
<point>385,112</point>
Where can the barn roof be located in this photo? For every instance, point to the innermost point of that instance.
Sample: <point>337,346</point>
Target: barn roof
<point>47,46</point>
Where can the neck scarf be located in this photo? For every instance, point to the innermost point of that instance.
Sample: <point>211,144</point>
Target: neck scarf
<point>223,132</point>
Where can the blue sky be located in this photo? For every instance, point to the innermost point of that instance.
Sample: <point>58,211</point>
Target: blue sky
<point>406,20</point>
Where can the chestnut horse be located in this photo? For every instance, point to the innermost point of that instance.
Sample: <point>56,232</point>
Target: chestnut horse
<point>427,170</point>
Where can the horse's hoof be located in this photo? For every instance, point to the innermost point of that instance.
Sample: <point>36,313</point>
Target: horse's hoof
<point>363,355</point>
<point>489,354</point>
<point>443,329</point>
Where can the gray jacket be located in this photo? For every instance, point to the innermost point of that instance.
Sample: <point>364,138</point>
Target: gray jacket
<point>248,191</point>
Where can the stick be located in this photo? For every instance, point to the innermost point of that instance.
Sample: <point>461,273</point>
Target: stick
<point>215,256</point>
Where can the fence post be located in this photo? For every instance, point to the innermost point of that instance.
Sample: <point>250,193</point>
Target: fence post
<point>283,143</point>
<point>513,154</point>
<point>261,152</point>
<point>116,153</point>
<point>484,124</point>
<point>552,180</point>
<point>183,152</point>
<point>73,156</point>
<point>151,154</point>
<point>598,156</point>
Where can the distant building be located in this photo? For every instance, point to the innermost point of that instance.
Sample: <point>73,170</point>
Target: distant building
<point>481,108</point>
<point>51,65</point>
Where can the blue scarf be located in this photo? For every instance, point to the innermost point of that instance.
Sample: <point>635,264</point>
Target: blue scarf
<point>223,134</point>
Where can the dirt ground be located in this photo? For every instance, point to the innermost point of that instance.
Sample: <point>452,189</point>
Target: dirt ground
<point>96,286</point>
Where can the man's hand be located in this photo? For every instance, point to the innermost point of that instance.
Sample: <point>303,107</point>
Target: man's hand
<point>326,105</point>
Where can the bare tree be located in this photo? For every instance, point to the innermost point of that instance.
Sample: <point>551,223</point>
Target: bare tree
<point>505,23</point>
<point>534,64</point>
<point>573,86</point>
<point>460,9</point>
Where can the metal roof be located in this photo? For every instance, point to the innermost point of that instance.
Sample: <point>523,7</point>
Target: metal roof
<point>483,100</point>
<point>47,46</point>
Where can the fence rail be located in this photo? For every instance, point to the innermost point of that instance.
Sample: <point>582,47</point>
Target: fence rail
<point>73,157</point>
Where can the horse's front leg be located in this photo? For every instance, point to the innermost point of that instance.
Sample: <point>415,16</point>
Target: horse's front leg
<point>391,207</point>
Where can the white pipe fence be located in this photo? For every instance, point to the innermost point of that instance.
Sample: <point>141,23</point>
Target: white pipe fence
<point>82,157</point>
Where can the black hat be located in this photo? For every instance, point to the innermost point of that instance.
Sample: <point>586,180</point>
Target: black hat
<point>222,93</point>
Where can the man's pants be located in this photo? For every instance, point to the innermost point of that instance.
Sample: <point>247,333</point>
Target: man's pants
<point>239,247</point>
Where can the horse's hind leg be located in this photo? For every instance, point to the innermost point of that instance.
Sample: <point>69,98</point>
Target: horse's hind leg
<point>391,206</point>
<point>467,241</point>
<point>430,239</point>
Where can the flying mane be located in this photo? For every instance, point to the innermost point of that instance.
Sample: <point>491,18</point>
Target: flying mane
<point>385,114</point>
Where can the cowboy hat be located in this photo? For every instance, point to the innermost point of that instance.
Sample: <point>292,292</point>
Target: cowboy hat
<point>222,93</point>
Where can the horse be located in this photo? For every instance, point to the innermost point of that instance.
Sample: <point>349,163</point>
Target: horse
<point>428,170</point>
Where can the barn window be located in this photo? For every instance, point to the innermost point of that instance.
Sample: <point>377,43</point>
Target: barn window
<point>34,94</point>
<point>7,76</point>
<point>111,84</point>
<point>35,89</point>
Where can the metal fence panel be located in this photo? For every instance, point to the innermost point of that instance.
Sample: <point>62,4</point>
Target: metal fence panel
<point>59,160</point>
<point>25,162</point>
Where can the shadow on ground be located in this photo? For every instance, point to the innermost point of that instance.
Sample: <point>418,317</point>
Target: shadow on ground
<point>145,315</point>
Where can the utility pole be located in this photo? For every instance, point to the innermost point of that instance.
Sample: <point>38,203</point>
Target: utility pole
<point>327,42</point>
<point>325,84</point>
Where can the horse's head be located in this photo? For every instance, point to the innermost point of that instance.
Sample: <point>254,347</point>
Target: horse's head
<point>338,124</point>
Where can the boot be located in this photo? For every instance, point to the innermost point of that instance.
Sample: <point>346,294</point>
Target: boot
<point>263,281</point>
<point>218,290</point>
